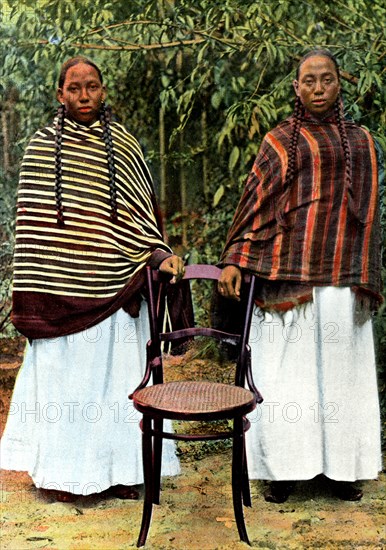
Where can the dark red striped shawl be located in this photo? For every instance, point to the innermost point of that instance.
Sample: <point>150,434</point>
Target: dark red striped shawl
<point>332,233</point>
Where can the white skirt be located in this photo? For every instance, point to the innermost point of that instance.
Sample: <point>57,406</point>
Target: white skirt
<point>316,371</point>
<point>71,425</point>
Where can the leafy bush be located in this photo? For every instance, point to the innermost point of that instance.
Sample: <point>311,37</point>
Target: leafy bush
<point>7,216</point>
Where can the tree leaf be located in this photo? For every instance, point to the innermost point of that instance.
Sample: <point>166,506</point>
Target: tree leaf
<point>234,157</point>
<point>218,195</point>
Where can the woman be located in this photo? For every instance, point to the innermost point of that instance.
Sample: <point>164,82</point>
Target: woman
<point>308,226</point>
<point>87,225</point>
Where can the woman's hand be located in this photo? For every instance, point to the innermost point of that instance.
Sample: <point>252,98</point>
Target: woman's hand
<point>229,283</point>
<point>173,265</point>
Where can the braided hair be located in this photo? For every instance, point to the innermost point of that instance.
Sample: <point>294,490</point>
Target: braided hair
<point>291,165</point>
<point>339,114</point>
<point>105,118</point>
<point>58,165</point>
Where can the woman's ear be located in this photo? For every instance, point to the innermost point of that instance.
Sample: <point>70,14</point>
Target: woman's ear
<point>59,95</point>
<point>295,84</point>
<point>104,92</point>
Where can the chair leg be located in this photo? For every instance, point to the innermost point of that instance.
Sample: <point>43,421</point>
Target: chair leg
<point>246,488</point>
<point>148,473</point>
<point>158,427</point>
<point>237,478</point>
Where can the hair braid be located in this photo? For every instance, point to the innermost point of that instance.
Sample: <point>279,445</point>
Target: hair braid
<point>338,107</point>
<point>291,165</point>
<point>58,165</point>
<point>107,138</point>
<point>297,117</point>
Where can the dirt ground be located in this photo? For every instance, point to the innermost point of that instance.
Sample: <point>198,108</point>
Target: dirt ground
<point>195,512</point>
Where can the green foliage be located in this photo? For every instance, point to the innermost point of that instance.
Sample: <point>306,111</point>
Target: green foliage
<point>7,216</point>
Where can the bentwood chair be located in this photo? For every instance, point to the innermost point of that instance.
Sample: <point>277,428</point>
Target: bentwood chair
<point>199,400</point>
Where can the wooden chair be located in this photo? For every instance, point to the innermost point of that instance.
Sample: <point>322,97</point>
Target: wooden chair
<point>194,400</point>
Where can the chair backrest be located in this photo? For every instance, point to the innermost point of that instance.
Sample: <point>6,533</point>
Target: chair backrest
<point>158,287</point>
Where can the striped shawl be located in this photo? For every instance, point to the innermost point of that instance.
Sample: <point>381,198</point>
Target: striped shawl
<point>332,231</point>
<point>69,278</point>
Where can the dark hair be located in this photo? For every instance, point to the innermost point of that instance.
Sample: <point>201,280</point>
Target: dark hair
<point>58,165</point>
<point>105,118</point>
<point>290,173</point>
<point>297,119</point>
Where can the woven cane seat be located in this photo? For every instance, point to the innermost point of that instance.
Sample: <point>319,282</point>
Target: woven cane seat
<point>195,400</point>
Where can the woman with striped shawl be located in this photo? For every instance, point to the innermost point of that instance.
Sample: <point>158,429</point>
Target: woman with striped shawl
<point>308,226</point>
<point>87,225</point>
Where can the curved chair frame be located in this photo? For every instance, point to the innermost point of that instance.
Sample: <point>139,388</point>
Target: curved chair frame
<point>201,400</point>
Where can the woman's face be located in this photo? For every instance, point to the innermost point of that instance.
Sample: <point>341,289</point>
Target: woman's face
<point>318,85</point>
<point>82,93</point>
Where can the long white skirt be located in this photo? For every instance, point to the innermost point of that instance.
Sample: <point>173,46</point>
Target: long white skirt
<point>70,424</point>
<point>316,371</point>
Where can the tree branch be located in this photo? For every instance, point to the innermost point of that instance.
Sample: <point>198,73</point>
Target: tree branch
<point>173,44</point>
<point>122,24</point>
<point>131,47</point>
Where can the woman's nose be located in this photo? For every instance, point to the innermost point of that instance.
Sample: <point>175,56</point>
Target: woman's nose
<point>318,87</point>
<point>83,94</point>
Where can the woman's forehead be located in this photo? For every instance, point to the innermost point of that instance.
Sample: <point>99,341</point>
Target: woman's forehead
<point>317,64</point>
<point>81,72</point>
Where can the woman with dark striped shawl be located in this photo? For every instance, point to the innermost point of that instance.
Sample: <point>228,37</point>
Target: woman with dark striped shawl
<point>308,226</point>
<point>87,225</point>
